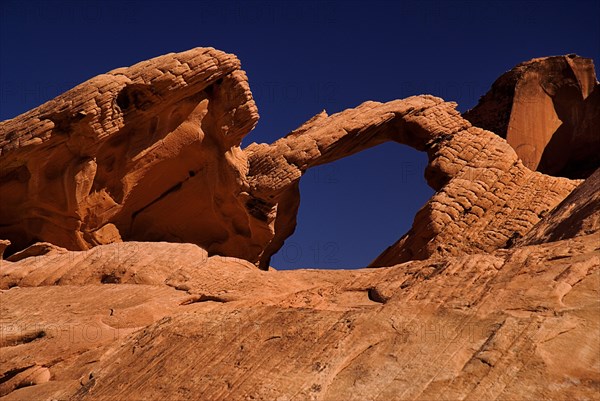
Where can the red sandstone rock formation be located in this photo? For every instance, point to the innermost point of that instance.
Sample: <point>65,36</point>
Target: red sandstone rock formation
<point>157,321</point>
<point>151,152</point>
<point>548,109</point>
<point>577,215</point>
<point>146,152</point>
<point>502,305</point>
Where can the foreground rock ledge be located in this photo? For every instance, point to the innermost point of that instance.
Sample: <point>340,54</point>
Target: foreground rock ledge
<point>158,321</point>
<point>151,153</point>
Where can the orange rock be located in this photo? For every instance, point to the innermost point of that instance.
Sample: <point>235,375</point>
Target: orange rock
<point>171,323</point>
<point>151,152</point>
<point>546,109</point>
<point>494,287</point>
<point>3,245</point>
<point>145,152</point>
<point>578,214</point>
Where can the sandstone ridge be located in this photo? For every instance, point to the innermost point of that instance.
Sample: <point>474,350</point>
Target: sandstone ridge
<point>152,153</point>
<point>156,321</point>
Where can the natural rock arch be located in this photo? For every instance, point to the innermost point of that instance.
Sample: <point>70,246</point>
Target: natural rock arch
<point>152,152</point>
<point>468,166</point>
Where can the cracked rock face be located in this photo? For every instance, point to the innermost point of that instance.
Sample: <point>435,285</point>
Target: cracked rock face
<point>578,214</point>
<point>151,152</point>
<point>548,109</point>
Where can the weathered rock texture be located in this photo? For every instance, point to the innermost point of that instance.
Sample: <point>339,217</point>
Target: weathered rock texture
<point>148,152</point>
<point>486,197</point>
<point>548,109</point>
<point>504,302</point>
<point>578,214</point>
<point>151,152</point>
<point>156,321</point>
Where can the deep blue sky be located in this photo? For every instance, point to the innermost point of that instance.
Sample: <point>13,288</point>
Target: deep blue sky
<point>302,57</point>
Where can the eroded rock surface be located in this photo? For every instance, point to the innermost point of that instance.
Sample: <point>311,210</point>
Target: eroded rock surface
<point>548,109</point>
<point>151,152</point>
<point>578,214</point>
<point>146,152</point>
<point>486,197</point>
<point>159,321</point>
<point>494,293</point>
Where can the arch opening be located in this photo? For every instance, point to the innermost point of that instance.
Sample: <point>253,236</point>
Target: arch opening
<point>353,208</point>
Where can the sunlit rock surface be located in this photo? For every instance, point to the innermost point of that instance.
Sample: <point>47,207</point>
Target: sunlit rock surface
<point>137,235</point>
<point>548,109</point>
